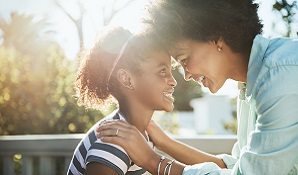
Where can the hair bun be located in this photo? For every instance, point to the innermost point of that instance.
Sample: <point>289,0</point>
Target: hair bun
<point>112,38</point>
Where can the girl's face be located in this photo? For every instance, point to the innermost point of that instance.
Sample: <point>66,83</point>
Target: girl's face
<point>202,62</point>
<point>155,86</point>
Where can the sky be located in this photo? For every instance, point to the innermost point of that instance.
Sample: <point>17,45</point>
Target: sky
<point>128,17</point>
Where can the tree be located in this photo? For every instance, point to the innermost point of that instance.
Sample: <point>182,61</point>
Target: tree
<point>21,34</point>
<point>36,80</point>
<point>287,10</point>
<point>108,13</point>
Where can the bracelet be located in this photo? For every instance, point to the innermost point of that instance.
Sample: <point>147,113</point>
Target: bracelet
<point>171,163</point>
<point>162,158</point>
<point>164,171</point>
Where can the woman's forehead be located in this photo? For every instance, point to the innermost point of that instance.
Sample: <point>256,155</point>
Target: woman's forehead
<point>180,48</point>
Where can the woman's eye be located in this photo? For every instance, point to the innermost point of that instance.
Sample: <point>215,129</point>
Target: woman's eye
<point>183,62</point>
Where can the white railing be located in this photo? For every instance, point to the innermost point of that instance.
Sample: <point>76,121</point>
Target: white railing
<point>51,154</point>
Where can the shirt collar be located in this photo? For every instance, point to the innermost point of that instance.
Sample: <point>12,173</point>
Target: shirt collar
<point>119,116</point>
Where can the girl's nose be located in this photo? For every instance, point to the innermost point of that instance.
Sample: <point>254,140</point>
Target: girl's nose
<point>172,81</point>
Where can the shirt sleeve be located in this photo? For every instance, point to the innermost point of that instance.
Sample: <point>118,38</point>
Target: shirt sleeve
<point>110,155</point>
<point>209,168</point>
<point>229,160</point>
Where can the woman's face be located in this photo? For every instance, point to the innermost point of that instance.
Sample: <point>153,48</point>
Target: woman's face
<point>155,87</point>
<point>203,62</point>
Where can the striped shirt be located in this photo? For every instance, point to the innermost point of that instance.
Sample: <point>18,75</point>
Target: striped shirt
<point>92,149</point>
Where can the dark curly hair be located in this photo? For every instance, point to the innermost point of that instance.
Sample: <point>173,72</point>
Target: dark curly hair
<point>93,89</point>
<point>236,21</point>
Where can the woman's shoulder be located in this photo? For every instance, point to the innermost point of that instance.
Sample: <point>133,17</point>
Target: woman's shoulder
<point>282,52</point>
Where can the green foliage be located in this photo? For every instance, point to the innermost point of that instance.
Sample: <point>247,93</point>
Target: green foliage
<point>36,84</point>
<point>287,11</point>
<point>37,96</point>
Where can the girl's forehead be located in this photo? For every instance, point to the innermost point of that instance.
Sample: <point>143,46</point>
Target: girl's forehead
<point>157,58</point>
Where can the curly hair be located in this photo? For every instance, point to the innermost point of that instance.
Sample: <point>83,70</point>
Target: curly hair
<point>93,89</point>
<point>236,21</point>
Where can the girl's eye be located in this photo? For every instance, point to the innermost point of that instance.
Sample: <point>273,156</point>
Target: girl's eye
<point>163,72</point>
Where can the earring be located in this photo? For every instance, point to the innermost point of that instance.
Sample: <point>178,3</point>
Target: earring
<point>219,48</point>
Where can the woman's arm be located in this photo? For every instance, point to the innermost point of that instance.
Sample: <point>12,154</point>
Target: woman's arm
<point>132,140</point>
<point>190,155</point>
<point>178,150</point>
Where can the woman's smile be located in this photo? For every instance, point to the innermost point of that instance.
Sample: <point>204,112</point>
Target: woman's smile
<point>201,80</point>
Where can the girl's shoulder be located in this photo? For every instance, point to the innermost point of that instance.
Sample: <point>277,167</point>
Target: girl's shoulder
<point>115,115</point>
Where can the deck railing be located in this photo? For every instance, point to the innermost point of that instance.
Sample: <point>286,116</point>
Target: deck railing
<point>51,154</point>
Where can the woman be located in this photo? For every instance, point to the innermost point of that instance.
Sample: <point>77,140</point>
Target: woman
<point>122,67</point>
<point>216,40</point>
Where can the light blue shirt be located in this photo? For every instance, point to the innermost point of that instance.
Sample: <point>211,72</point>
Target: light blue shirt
<point>267,112</point>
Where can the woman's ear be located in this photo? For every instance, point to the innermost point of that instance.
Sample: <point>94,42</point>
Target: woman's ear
<point>219,44</point>
<point>125,78</point>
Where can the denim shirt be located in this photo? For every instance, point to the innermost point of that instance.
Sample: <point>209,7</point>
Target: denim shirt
<point>267,112</point>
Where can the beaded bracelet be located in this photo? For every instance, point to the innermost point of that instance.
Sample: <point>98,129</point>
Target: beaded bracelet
<point>162,158</point>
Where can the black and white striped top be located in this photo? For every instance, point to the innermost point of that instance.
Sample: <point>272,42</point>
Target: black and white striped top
<point>92,149</point>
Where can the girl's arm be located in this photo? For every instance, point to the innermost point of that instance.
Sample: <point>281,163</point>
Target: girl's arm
<point>179,150</point>
<point>95,168</point>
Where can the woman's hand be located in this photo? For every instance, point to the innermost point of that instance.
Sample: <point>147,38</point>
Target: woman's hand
<point>158,136</point>
<point>129,138</point>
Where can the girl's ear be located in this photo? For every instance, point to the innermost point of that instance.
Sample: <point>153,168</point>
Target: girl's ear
<point>125,78</point>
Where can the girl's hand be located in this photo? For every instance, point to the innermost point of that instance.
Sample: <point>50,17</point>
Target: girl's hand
<point>129,138</point>
<point>158,136</point>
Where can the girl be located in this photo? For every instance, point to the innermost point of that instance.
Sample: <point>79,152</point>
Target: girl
<point>134,70</point>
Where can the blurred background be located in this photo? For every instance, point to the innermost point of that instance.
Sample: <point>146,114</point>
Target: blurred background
<point>39,43</point>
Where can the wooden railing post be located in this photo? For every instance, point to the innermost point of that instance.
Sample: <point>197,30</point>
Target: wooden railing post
<point>8,165</point>
<point>27,165</point>
<point>47,165</point>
